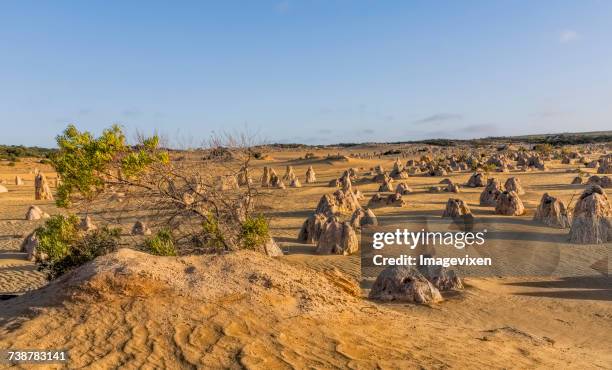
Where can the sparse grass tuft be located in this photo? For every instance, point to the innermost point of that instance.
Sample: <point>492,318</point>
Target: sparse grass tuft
<point>162,244</point>
<point>255,232</point>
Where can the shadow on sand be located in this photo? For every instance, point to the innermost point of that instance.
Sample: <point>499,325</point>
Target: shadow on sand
<point>578,187</point>
<point>581,287</point>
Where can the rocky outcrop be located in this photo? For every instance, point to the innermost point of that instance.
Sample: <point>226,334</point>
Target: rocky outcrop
<point>363,217</point>
<point>338,202</point>
<point>311,177</point>
<point>30,247</point>
<point>35,213</point>
<point>404,284</point>
<point>140,228</point>
<point>552,212</point>
<point>477,180</point>
<point>403,189</point>
<point>289,174</point>
<point>509,204</point>
<point>514,184</point>
<point>396,200</point>
<point>456,208</point>
<point>295,183</point>
<point>271,249</point>
<point>441,277</point>
<point>42,191</point>
<point>387,186</point>
<point>337,238</point>
<point>603,181</point>
<point>592,218</point>
<point>489,195</point>
<point>312,228</point>
<point>87,224</point>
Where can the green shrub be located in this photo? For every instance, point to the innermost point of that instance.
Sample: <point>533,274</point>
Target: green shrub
<point>57,236</point>
<point>489,167</point>
<point>212,235</point>
<point>254,232</point>
<point>93,244</point>
<point>66,247</point>
<point>162,244</point>
<point>543,148</point>
<point>83,161</point>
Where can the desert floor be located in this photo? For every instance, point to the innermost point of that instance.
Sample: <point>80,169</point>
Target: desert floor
<point>304,310</point>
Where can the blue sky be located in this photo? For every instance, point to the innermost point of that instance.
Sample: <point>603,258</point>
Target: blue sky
<point>312,71</point>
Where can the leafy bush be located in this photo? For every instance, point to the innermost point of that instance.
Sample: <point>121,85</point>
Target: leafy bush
<point>93,244</point>
<point>57,236</point>
<point>489,167</point>
<point>543,148</point>
<point>86,163</point>
<point>254,233</point>
<point>162,244</point>
<point>212,234</point>
<point>66,247</point>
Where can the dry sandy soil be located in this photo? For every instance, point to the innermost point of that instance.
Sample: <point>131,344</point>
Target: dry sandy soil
<point>130,310</point>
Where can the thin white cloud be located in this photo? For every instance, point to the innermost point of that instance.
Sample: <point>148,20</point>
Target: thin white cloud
<point>439,117</point>
<point>566,36</point>
<point>282,7</point>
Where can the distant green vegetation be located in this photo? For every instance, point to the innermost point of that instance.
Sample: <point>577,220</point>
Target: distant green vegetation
<point>555,140</point>
<point>14,152</point>
<point>561,139</point>
<point>392,152</point>
<point>288,145</point>
<point>345,145</point>
<point>439,142</point>
<point>545,148</point>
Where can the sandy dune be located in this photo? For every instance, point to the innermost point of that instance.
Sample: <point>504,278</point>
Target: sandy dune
<point>130,309</point>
